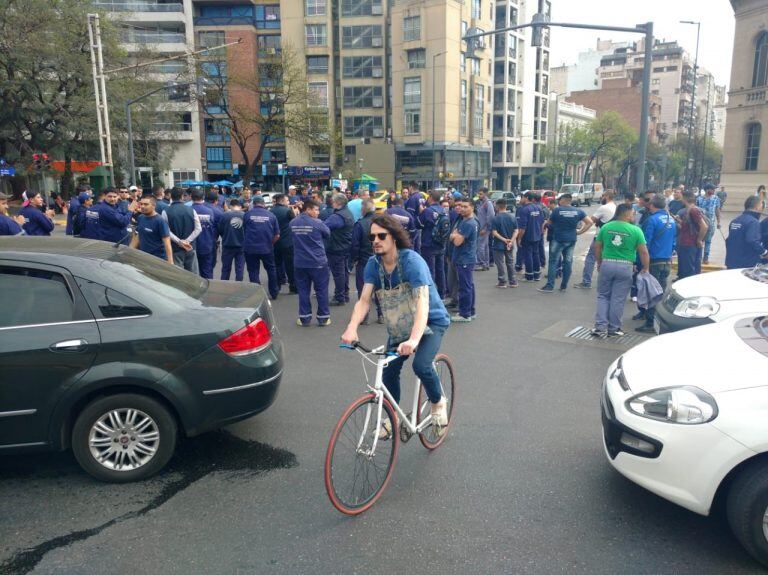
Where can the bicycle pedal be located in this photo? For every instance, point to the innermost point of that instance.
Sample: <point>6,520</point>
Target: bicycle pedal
<point>405,434</point>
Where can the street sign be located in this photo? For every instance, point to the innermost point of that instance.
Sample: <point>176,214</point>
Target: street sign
<point>7,171</point>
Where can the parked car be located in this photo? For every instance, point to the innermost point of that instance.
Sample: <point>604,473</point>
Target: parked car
<point>582,193</point>
<point>510,197</point>
<point>115,353</point>
<point>548,197</point>
<point>712,297</point>
<point>693,430</point>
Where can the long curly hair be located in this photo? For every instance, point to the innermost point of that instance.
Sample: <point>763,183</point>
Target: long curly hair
<point>396,230</point>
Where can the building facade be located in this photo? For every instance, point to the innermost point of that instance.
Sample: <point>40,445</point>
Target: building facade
<point>745,156</point>
<point>564,118</point>
<point>583,75</point>
<point>166,28</point>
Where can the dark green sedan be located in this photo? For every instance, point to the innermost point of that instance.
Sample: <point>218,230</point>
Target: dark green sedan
<point>115,354</point>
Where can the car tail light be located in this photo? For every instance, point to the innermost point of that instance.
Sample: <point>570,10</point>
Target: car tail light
<point>252,338</point>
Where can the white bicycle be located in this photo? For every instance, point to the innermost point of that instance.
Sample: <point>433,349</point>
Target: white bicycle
<point>363,448</point>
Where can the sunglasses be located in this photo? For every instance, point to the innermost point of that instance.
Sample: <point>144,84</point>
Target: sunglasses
<point>381,236</point>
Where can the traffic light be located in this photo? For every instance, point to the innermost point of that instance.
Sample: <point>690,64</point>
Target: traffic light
<point>46,162</point>
<point>37,162</point>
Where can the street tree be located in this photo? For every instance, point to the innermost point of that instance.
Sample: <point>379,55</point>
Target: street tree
<point>570,149</point>
<point>609,141</point>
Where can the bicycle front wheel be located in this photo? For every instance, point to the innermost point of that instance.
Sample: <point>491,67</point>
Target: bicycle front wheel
<point>433,436</point>
<point>356,474</point>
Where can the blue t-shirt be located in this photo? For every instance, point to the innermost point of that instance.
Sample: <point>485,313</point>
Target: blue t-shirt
<point>565,220</point>
<point>152,230</point>
<point>506,224</point>
<point>355,208</point>
<point>308,236</point>
<point>530,219</point>
<point>660,232</point>
<point>466,253</point>
<point>416,273</point>
<point>8,227</point>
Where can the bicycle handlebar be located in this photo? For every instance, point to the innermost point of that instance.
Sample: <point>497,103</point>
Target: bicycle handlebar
<point>358,345</point>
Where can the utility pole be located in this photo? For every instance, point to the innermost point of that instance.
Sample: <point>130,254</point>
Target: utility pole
<point>434,106</point>
<point>100,90</point>
<point>693,101</point>
<point>703,137</point>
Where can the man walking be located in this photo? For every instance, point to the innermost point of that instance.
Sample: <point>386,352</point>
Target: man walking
<point>261,232</point>
<point>660,233</point>
<point>339,245</point>
<point>616,246</point>
<point>284,213</point>
<point>152,234</point>
<point>308,234</point>
<point>530,222</point>
<point>692,229</point>
<point>710,205</point>
<point>744,248</point>
<point>602,215</point>
<point>564,222</point>
<point>433,242</point>
<point>185,227</point>
<point>464,239</point>
<point>484,213</point>
<point>503,238</point>
<point>36,222</point>
<point>231,232</point>
<point>206,241</point>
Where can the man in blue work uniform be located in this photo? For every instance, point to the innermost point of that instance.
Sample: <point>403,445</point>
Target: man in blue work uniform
<point>152,234</point>
<point>362,249</point>
<point>432,251</point>
<point>563,223</point>
<point>308,235</point>
<point>74,207</point>
<point>743,248</point>
<point>530,222</point>
<point>9,226</point>
<point>284,246</point>
<point>160,204</point>
<point>339,245</point>
<point>464,239</point>
<point>36,223</point>
<point>403,216</point>
<point>206,241</point>
<point>503,240</point>
<point>660,231</point>
<point>484,213</point>
<point>415,204</point>
<point>212,201</point>
<point>231,232</point>
<point>261,232</point>
<point>104,221</point>
<point>326,210</point>
<point>185,227</point>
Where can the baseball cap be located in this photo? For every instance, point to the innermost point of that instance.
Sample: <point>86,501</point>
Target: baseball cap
<point>133,189</point>
<point>84,196</point>
<point>709,186</point>
<point>291,187</point>
<point>257,199</point>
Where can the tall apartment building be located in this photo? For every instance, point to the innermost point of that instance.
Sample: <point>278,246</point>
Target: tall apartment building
<point>521,97</point>
<point>164,27</point>
<point>582,75</point>
<point>258,27</point>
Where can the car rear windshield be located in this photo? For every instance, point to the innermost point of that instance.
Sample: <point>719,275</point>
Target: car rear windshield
<point>155,274</point>
<point>569,188</point>
<point>758,273</point>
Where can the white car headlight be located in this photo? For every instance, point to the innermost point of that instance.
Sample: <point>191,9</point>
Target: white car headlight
<point>686,404</point>
<point>700,307</point>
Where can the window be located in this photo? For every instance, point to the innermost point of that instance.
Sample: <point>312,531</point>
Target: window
<point>512,68</point>
<point>268,17</point>
<point>511,100</point>
<point>361,37</point>
<point>363,97</point>
<point>476,9</point>
<point>512,16</point>
<point>479,110</point>
<point>181,175</point>
<point>498,73</point>
<point>39,297</point>
<point>417,58</point>
<point>501,17</point>
<point>218,158</point>
<point>463,109</point>
<point>411,28</point>
<point>210,39</point>
<point>315,35</point>
<point>655,81</point>
<point>671,69</point>
<point>314,8</point>
<point>362,67</point>
<point>108,303</point>
<point>361,8</point>
<point>319,92</point>
<point>412,105</point>
<point>269,46</point>
<point>320,154</point>
<point>216,130</point>
<point>463,62</point>
<point>760,68</point>
<point>753,146</point>
<point>363,126</point>
<point>317,64</point>
<point>498,100</point>
<point>215,70</point>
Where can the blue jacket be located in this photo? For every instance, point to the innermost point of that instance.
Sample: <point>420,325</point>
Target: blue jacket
<point>230,227</point>
<point>206,241</point>
<point>743,248</point>
<point>36,223</point>
<point>428,219</point>
<point>8,227</point>
<point>261,229</point>
<point>405,217</point>
<point>660,232</point>
<point>340,223</point>
<point>308,235</point>
<point>530,218</point>
<point>74,206</point>
<point>413,204</point>
<point>362,248</point>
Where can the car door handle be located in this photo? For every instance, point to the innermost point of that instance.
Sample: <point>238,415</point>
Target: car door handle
<point>70,345</point>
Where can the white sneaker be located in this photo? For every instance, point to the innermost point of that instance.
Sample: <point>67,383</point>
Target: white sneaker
<point>440,412</point>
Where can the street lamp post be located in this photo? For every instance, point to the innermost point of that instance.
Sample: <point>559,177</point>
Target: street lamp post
<point>693,98</point>
<point>434,106</point>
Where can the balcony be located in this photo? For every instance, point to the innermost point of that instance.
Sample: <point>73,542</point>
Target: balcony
<point>155,38</point>
<point>139,7</point>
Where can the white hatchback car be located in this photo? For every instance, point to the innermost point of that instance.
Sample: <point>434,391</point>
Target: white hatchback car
<point>695,429</point>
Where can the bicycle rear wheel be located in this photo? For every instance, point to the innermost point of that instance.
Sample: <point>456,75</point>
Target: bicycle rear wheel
<point>354,477</point>
<point>433,436</point>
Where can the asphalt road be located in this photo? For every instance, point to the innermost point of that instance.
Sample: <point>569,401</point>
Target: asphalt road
<point>520,486</point>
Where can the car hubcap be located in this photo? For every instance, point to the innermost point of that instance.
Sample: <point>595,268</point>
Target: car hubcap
<point>124,439</point>
<point>765,524</point>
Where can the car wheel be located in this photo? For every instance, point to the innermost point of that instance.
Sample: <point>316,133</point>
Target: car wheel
<point>588,203</point>
<point>747,510</point>
<point>124,437</point>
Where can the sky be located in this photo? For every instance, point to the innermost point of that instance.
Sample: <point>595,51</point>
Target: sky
<point>716,17</point>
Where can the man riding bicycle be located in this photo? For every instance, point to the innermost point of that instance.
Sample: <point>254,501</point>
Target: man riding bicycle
<point>415,316</point>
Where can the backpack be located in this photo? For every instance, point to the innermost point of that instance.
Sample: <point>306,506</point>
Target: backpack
<point>441,230</point>
<point>704,216</point>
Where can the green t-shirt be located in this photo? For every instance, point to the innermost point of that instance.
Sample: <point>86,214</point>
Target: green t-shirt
<point>620,240</point>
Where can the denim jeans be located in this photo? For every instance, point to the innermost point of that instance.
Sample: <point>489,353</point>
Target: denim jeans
<point>613,284</point>
<point>659,270</point>
<point>422,365</point>
<point>589,265</point>
<point>708,239</point>
<point>186,260</point>
<point>557,249</point>
<point>688,261</point>
<point>482,250</point>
